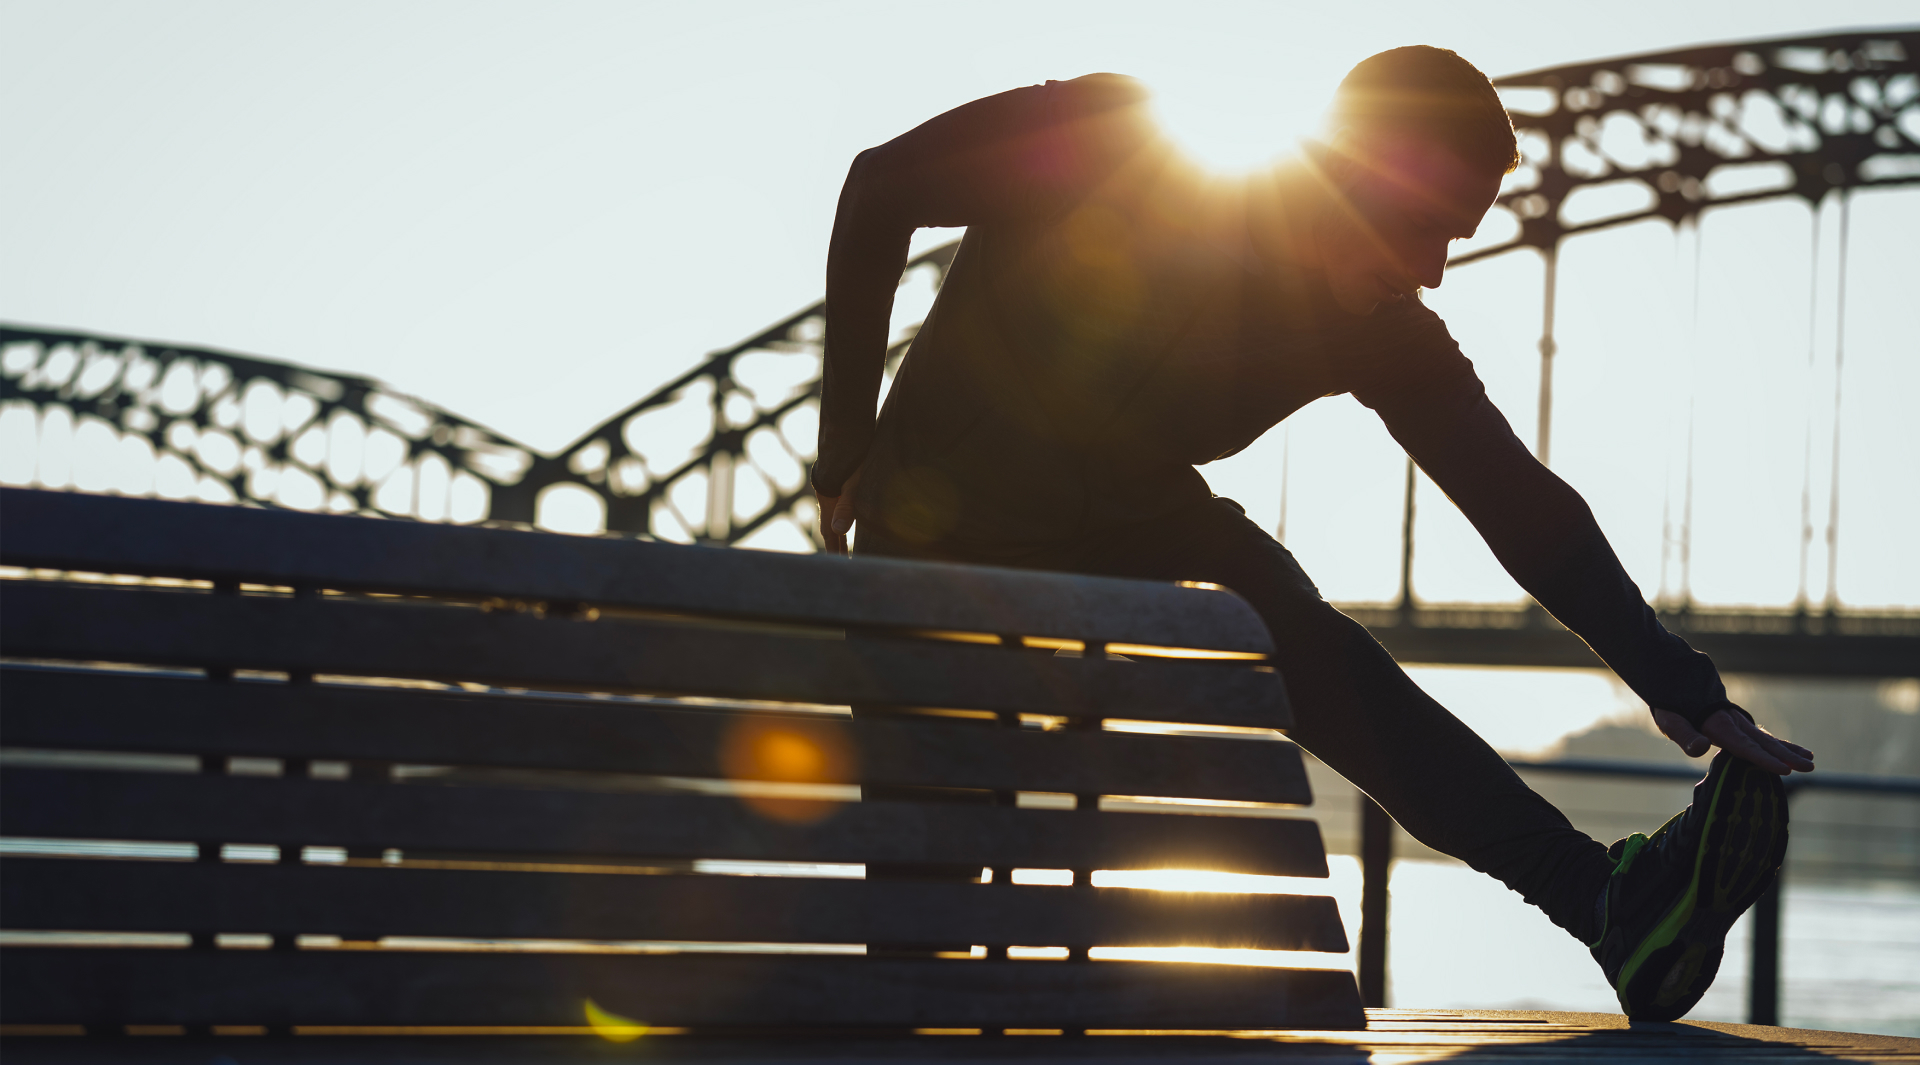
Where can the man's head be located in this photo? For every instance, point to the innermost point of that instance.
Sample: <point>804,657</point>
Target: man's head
<point>1420,143</point>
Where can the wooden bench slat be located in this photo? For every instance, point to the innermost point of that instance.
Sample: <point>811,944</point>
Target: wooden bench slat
<point>363,903</point>
<point>63,530</point>
<point>575,1044</point>
<point>408,639</point>
<point>82,804</point>
<point>107,711</point>
<point>404,988</point>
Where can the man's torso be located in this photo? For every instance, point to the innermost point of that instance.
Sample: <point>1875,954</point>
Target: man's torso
<point>1082,359</point>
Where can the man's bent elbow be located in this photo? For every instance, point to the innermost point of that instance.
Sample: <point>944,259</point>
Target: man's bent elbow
<point>863,197</point>
<point>865,173</point>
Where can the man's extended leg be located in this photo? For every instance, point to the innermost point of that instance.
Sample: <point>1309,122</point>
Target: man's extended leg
<point>1356,710</point>
<point>1655,911</point>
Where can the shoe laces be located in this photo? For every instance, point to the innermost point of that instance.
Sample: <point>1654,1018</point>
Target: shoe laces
<point>1630,849</point>
<point>1623,852</point>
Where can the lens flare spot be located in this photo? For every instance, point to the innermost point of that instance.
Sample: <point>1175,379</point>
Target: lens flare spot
<point>611,1026</point>
<point>790,757</point>
<point>787,752</point>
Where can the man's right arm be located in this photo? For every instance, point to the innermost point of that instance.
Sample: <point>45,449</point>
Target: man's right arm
<point>1018,154</point>
<point>1545,535</point>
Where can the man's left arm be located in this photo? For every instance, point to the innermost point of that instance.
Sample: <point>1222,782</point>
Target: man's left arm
<point>1545,535</point>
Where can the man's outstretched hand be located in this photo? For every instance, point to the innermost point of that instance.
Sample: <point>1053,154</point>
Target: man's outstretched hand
<point>1736,735</point>
<point>836,516</point>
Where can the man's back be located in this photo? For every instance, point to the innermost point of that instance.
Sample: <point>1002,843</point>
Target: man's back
<point>1107,325</point>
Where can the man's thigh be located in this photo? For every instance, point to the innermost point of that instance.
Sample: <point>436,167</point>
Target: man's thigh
<point>1344,687</point>
<point>1211,541</point>
<point>1217,543</point>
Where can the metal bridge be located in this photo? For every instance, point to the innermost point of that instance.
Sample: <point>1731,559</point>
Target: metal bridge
<point>719,455</point>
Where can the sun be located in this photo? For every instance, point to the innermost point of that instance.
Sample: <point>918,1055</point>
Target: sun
<point>1236,123</point>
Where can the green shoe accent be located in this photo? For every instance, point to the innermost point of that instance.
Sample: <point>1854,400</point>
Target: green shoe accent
<point>1669,927</point>
<point>1673,895</point>
<point>1630,847</point>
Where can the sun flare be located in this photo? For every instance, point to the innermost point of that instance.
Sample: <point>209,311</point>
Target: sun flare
<point>1235,125</point>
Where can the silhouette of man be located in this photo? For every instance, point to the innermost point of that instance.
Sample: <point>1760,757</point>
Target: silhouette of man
<point>1117,316</point>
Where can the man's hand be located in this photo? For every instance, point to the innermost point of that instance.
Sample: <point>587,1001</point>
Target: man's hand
<point>836,516</point>
<point>1736,735</point>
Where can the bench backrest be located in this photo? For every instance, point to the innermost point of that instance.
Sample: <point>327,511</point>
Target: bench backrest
<point>461,778</point>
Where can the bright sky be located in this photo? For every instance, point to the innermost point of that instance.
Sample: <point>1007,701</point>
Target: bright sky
<point>534,213</point>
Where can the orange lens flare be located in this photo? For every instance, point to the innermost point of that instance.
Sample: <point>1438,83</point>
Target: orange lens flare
<point>788,752</point>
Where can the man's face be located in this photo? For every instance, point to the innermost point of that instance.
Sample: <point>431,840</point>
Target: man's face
<point>1398,203</point>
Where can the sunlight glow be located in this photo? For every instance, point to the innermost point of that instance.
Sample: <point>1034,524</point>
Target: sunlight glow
<point>1207,880</point>
<point>1043,877</point>
<point>1233,122</point>
<point>1343,883</point>
<point>1279,959</point>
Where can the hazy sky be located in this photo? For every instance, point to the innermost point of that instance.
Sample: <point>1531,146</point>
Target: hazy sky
<point>533,213</point>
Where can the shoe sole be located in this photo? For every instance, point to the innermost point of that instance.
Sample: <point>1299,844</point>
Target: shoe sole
<point>1740,854</point>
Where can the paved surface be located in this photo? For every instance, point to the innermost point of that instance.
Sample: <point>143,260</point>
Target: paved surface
<point>1393,1037</point>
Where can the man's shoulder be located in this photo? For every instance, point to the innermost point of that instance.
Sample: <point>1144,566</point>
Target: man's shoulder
<point>1110,102</point>
<point>1102,91</point>
<point>1094,123</point>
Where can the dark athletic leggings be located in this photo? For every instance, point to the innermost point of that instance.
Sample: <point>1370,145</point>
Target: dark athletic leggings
<point>1353,707</point>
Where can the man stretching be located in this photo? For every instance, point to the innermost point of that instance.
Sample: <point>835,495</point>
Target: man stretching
<point>1116,316</point>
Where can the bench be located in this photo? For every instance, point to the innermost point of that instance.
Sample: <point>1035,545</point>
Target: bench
<point>295,775</point>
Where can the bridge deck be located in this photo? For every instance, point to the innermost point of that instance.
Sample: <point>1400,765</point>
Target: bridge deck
<point>1399,1037</point>
<point>1753,641</point>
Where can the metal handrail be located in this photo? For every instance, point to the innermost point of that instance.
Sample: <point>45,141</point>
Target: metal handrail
<point>1763,986</point>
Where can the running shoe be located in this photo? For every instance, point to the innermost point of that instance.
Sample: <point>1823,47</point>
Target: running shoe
<point>1673,895</point>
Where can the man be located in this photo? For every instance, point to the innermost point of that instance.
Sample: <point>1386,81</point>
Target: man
<point>1116,317</point>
